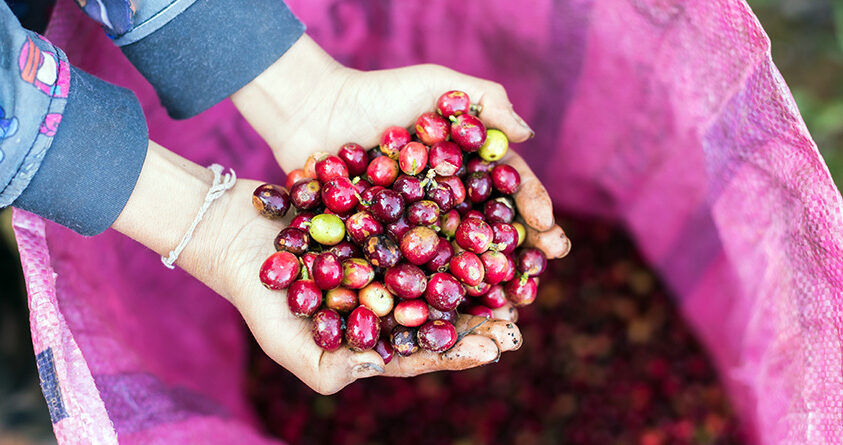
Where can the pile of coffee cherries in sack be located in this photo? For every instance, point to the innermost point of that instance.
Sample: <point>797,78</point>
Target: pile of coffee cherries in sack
<point>388,245</point>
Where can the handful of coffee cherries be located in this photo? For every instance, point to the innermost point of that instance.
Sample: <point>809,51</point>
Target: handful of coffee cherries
<point>388,245</point>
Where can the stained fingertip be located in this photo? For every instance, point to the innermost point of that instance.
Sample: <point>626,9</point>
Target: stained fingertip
<point>473,350</point>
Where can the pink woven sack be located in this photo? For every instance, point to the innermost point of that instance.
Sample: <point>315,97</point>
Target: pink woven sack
<point>667,116</point>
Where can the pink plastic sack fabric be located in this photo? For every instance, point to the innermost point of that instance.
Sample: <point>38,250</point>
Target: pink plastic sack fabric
<point>665,115</point>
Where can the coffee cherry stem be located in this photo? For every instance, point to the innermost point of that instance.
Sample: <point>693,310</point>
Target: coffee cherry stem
<point>452,118</point>
<point>355,180</point>
<point>304,274</point>
<point>523,278</point>
<point>470,330</point>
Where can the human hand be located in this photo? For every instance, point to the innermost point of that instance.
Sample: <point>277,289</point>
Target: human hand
<point>226,253</point>
<point>306,103</point>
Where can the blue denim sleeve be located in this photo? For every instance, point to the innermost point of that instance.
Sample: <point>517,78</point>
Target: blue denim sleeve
<point>197,53</point>
<point>71,145</point>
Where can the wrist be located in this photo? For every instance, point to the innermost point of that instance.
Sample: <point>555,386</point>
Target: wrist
<point>169,193</point>
<point>278,99</point>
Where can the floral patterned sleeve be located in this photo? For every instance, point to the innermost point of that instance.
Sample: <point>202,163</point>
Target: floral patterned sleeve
<point>59,128</point>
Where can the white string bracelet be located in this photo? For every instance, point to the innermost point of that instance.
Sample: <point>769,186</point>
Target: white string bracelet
<point>221,184</point>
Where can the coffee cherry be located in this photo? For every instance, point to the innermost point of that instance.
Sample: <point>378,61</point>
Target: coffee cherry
<point>362,329</point>
<point>345,250</point>
<point>292,240</point>
<point>393,140</point>
<point>376,297</point>
<point>360,184</point>
<point>339,195</point>
<point>468,268</point>
<point>444,292</point>
<point>505,238</point>
<point>355,158</point>
<point>327,329</point>
<point>302,221</point>
<point>468,132</point>
<point>327,229</point>
<point>367,196</point>
<point>304,298</point>
<point>357,273</point>
<point>521,292</point>
<point>310,163</point>
<point>293,177</point>
<point>398,229</point>
<point>403,341</point>
<point>423,213</point>
<point>499,210</point>
<point>495,147</point>
<point>456,185</point>
<point>271,201</point>
<point>279,270</point>
<point>381,251</point>
<point>306,195</point>
<point>476,291</point>
<point>330,167</point>
<point>478,187</point>
<point>341,299</point>
<point>411,313</point>
<point>449,222</point>
<point>463,208</point>
<point>327,271</point>
<point>384,348</point>
<point>432,128</point>
<point>409,187</point>
<point>405,281</point>
<point>362,225</point>
<point>474,234</point>
<point>442,258</point>
<point>453,103</point>
<point>445,158</point>
<point>510,269</point>
<point>478,310</point>
<point>418,245</point>
<point>436,314</point>
<point>307,260</point>
<point>443,197</point>
<point>382,171</point>
<point>495,264</point>
<point>479,165</point>
<point>506,179</point>
<point>388,323</point>
<point>437,336</point>
<point>387,206</point>
<point>413,158</point>
<point>522,233</point>
<point>495,298</point>
<point>531,262</point>
<point>474,214</point>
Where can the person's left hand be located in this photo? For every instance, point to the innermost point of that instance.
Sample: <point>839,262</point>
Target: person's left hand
<point>307,102</point>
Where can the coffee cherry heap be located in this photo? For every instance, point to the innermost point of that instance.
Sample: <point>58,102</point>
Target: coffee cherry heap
<point>389,245</point>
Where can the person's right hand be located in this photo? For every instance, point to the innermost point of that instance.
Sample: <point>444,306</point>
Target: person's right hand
<point>306,103</point>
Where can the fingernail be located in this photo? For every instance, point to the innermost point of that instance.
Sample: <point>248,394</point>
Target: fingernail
<point>364,370</point>
<point>522,123</point>
<point>567,250</point>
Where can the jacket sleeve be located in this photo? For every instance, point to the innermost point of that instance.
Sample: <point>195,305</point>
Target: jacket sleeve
<point>71,145</point>
<point>196,53</point>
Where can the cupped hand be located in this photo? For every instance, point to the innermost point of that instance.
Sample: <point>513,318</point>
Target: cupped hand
<point>307,103</point>
<point>246,240</point>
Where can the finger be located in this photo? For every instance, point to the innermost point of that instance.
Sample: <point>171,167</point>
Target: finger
<point>507,312</point>
<point>554,243</point>
<point>470,352</point>
<point>506,334</point>
<point>533,202</point>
